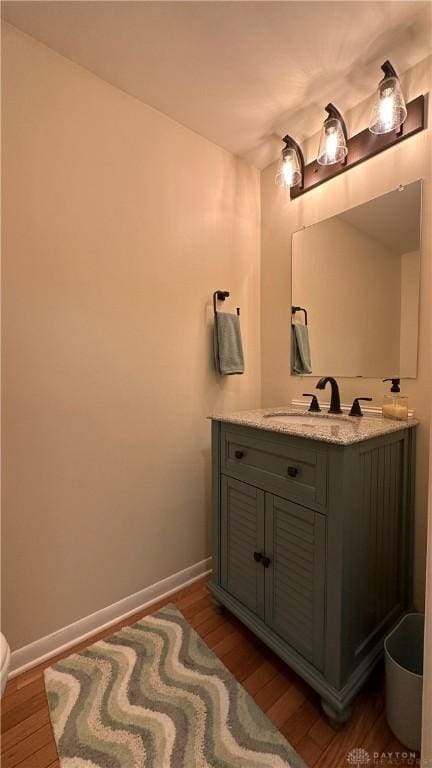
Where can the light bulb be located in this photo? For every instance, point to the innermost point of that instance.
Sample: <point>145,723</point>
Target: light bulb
<point>386,110</point>
<point>288,172</point>
<point>332,147</point>
<point>389,110</point>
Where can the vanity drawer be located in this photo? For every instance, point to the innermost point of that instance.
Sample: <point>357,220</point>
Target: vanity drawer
<point>277,464</point>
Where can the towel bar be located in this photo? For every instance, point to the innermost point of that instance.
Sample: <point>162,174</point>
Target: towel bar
<point>221,296</point>
<point>299,309</point>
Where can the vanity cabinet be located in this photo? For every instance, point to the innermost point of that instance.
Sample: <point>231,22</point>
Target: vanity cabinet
<point>258,528</point>
<point>312,548</point>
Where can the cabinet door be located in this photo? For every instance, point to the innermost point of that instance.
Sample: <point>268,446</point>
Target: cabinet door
<point>242,535</point>
<point>295,577</point>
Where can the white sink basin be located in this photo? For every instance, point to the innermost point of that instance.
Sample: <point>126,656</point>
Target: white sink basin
<point>311,421</point>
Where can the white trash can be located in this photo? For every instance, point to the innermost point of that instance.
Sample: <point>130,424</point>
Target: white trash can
<point>404,679</point>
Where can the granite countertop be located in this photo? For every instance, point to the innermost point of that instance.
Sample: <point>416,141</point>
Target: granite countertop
<point>328,428</point>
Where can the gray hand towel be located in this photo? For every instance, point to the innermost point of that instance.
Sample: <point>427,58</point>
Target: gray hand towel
<point>228,346</point>
<point>301,357</point>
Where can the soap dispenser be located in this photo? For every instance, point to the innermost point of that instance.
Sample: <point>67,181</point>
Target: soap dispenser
<point>395,405</point>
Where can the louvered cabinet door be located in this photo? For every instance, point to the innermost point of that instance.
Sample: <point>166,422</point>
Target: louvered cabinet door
<point>295,577</point>
<point>242,535</point>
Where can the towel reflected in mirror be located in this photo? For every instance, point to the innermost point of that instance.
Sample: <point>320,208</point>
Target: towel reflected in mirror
<point>300,355</point>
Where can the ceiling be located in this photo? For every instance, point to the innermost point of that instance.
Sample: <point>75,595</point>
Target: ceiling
<point>242,73</point>
<point>393,219</point>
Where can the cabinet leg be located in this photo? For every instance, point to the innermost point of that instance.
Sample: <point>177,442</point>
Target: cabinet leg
<point>219,608</point>
<point>336,719</point>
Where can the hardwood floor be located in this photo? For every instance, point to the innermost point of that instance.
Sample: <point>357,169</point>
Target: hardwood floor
<point>27,740</point>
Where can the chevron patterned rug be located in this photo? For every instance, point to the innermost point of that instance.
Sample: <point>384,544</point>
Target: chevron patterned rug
<point>154,695</point>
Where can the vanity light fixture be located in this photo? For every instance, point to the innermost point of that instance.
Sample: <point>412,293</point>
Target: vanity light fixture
<point>392,121</point>
<point>389,111</point>
<point>291,165</point>
<point>333,142</point>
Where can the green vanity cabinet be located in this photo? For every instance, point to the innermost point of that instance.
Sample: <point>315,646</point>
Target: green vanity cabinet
<point>312,548</point>
<point>242,535</point>
<point>295,542</point>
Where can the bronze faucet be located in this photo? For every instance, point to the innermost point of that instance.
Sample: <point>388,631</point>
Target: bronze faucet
<point>335,397</point>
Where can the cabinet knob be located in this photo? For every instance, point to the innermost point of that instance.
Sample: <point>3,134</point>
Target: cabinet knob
<point>292,471</point>
<point>266,561</point>
<point>239,454</point>
<point>257,557</point>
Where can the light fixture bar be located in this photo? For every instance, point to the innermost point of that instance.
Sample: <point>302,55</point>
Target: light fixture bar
<point>363,146</point>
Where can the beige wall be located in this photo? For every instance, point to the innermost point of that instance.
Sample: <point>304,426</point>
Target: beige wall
<point>350,285</point>
<point>408,161</point>
<point>118,226</point>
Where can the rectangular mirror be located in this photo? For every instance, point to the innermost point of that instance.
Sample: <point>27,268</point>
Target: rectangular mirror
<point>356,282</point>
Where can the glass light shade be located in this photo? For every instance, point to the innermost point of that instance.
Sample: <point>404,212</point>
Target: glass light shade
<point>389,110</point>
<point>288,172</point>
<point>332,146</point>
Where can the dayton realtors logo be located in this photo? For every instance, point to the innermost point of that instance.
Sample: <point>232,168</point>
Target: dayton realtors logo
<point>360,758</point>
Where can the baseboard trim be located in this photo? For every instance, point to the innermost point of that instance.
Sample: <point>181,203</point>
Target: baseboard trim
<point>40,650</point>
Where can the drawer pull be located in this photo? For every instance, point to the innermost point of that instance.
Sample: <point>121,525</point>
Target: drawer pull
<point>292,471</point>
<point>239,454</point>
<point>266,561</point>
<point>257,557</point>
